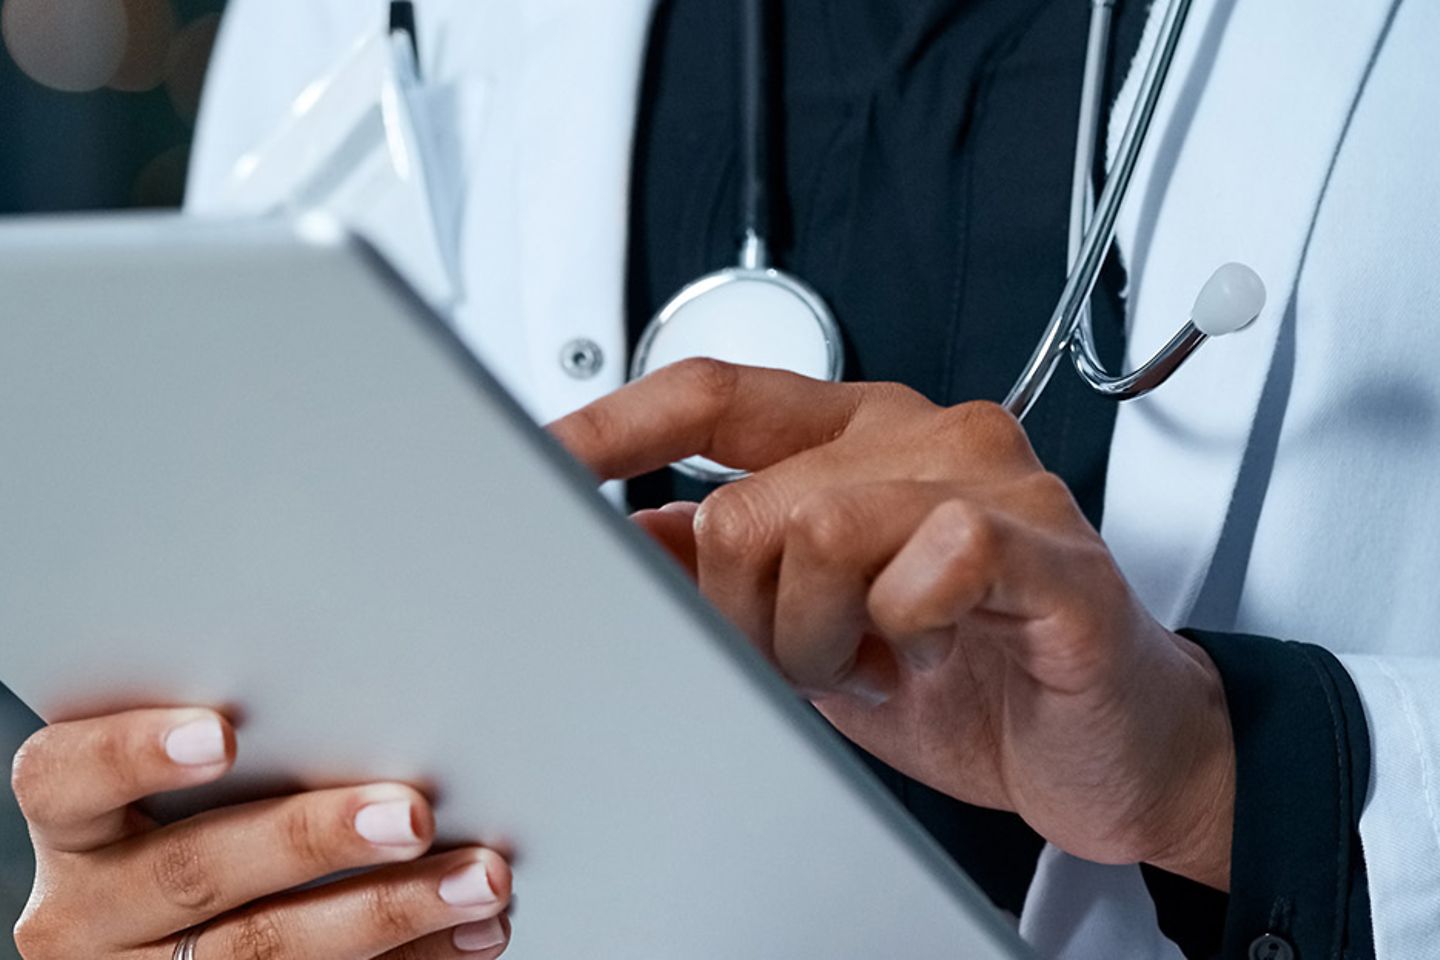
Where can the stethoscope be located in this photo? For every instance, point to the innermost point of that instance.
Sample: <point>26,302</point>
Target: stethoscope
<point>756,314</point>
<point>752,313</point>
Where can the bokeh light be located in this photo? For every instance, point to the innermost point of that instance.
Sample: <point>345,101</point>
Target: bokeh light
<point>106,93</point>
<point>189,59</point>
<point>147,49</point>
<point>161,182</point>
<point>70,45</point>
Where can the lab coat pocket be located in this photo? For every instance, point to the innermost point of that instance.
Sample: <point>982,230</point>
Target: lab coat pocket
<point>448,119</point>
<point>371,146</point>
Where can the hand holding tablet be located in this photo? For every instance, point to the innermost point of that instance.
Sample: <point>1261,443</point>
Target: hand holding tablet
<point>117,884</point>
<point>247,469</point>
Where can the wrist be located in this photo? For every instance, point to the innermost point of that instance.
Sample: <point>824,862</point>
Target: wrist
<point>1192,836</point>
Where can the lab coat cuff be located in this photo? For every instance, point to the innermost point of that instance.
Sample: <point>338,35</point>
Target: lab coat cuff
<point>1297,878</point>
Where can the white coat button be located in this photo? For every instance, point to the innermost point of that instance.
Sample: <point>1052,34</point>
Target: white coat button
<point>582,359</point>
<point>1271,947</point>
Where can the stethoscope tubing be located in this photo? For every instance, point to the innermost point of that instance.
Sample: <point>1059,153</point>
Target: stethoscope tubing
<point>1092,225</point>
<point>1099,237</point>
<point>755,129</point>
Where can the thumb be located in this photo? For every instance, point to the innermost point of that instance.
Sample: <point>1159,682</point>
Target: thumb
<point>673,527</point>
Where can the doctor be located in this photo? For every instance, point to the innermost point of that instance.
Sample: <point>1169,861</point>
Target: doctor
<point>916,570</point>
<point>1226,507</point>
<point>918,143</point>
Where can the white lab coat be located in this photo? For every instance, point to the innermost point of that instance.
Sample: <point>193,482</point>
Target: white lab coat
<point>1286,483</point>
<point>548,88</point>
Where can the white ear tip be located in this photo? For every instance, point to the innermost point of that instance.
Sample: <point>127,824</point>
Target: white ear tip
<point>1230,300</point>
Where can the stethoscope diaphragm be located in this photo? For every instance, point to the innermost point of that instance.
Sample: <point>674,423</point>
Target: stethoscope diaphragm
<point>753,316</point>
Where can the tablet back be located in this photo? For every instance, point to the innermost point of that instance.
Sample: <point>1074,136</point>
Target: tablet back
<point>243,466</point>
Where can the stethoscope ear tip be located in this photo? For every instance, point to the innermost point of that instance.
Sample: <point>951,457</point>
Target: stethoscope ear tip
<point>1231,300</point>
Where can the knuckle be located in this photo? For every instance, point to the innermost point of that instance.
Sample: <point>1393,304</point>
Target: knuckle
<point>45,932</point>
<point>181,875</point>
<point>711,378</point>
<point>308,839</point>
<point>963,529</point>
<point>966,536</point>
<point>1048,488</point>
<point>730,524</point>
<point>886,395</point>
<point>31,772</point>
<point>1050,498</point>
<point>35,938</point>
<point>1105,587</point>
<point>897,611</point>
<point>389,911</point>
<point>257,936</point>
<point>891,615</point>
<point>988,425</point>
<point>826,526</point>
<point>984,415</point>
<point>589,428</point>
<point>112,752</point>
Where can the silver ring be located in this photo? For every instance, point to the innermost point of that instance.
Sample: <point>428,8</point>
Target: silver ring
<point>185,949</point>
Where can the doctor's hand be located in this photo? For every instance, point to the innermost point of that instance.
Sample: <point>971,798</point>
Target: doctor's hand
<point>112,884</point>
<point>941,598</point>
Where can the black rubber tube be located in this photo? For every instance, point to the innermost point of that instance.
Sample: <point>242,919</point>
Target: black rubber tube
<point>755,119</point>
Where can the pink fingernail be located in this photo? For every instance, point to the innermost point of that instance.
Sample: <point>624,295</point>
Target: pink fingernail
<point>200,743</point>
<point>468,887</point>
<point>474,937</point>
<point>388,824</point>
<point>927,653</point>
<point>867,692</point>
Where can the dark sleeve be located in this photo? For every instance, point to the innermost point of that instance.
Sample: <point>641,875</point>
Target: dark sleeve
<point>1297,879</point>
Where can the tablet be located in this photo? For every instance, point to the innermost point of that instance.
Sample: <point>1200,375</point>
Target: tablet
<point>245,466</point>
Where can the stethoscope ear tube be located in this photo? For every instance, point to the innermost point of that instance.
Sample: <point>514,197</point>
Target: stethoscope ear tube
<point>755,125</point>
<point>1101,233</point>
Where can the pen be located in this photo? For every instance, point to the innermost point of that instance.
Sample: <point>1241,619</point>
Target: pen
<point>402,19</point>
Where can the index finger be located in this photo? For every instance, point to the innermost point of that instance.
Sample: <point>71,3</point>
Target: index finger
<point>75,780</point>
<point>744,417</point>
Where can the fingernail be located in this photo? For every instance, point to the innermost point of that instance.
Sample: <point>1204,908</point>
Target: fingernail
<point>927,653</point>
<point>199,743</point>
<point>388,824</point>
<point>866,692</point>
<point>468,887</point>
<point>474,937</point>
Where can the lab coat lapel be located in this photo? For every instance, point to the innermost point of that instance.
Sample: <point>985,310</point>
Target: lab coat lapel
<point>1235,170</point>
<point>580,88</point>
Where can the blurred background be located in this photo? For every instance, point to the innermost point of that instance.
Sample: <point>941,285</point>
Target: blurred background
<point>97,107</point>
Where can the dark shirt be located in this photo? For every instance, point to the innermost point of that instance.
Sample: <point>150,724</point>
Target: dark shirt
<point>924,152</point>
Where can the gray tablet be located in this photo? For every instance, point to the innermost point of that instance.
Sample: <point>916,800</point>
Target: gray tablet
<point>244,466</point>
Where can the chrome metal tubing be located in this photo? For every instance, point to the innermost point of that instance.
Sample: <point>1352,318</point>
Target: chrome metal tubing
<point>1101,233</point>
<point>1138,382</point>
<point>1092,94</point>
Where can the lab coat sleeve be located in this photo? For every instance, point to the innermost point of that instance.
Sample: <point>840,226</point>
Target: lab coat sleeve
<point>267,53</point>
<point>1298,882</point>
<point>1400,825</point>
<point>1302,745</point>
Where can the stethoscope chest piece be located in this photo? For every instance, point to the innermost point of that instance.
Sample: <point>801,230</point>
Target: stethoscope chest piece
<point>755,316</point>
<point>751,314</point>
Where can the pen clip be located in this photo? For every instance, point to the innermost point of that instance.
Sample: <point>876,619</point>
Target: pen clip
<point>402,20</point>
